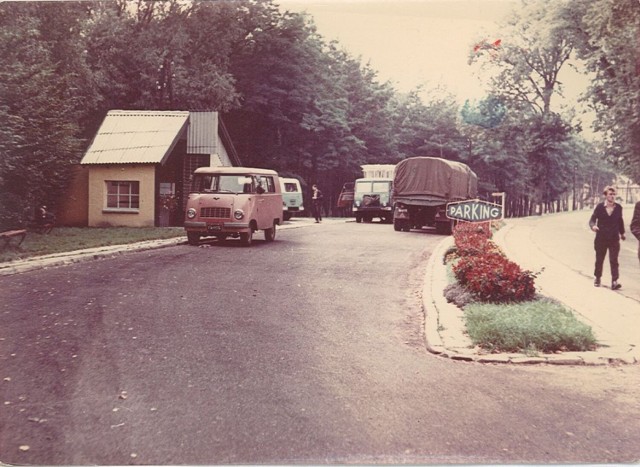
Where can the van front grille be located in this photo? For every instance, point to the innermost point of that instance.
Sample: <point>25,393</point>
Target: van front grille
<point>218,213</point>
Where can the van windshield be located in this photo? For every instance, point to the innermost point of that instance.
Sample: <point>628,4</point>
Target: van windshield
<point>369,186</point>
<point>210,183</point>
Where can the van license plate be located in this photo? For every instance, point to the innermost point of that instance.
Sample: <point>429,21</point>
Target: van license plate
<point>214,227</point>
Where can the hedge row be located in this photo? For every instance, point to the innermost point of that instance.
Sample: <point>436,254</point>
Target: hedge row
<point>484,270</point>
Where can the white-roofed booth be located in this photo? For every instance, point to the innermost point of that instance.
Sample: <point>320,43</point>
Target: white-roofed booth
<point>140,165</point>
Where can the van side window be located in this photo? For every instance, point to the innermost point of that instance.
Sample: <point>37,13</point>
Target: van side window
<point>268,184</point>
<point>265,184</point>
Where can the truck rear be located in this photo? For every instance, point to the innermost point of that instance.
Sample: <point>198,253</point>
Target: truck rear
<point>422,187</point>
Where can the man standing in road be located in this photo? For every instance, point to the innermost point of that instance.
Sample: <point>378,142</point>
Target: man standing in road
<point>606,221</point>
<point>316,203</point>
<point>635,224</point>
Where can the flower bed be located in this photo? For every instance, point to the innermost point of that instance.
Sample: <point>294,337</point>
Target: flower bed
<point>484,270</point>
<point>501,310</point>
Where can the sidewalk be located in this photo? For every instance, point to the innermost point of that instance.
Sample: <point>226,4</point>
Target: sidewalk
<point>614,318</point>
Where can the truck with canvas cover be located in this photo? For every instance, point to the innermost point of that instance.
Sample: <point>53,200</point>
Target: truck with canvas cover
<point>422,187</point>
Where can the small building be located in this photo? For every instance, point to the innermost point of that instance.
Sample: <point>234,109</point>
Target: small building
<point>140,163</point>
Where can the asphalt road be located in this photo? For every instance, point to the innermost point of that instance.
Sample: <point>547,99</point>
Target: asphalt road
<point>306,350</point>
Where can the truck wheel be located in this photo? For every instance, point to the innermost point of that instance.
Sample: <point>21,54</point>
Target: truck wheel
<point>358,218</point>
<point>246,237</point>
<point>193,238</point>
<point>396,226</point>
<point>286,215</point>
<point>270,234</point>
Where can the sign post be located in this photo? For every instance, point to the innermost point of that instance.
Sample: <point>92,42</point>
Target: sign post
<point>500,195</point>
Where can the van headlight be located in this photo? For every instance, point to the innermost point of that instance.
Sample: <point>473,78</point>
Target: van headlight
<point>191,213</point>
<point>238,214</point>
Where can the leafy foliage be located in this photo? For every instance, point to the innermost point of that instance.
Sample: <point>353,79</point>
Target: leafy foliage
<point>485,271</point>
<point>38,141</point>
<point>305,107</point>
<point>608,34</point>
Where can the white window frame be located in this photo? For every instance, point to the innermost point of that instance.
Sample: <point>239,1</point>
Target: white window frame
<point>131,198</point>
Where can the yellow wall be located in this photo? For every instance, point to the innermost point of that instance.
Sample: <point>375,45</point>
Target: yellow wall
<point>98,175</point>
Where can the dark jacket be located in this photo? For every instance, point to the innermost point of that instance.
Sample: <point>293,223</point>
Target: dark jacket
<point>610,226</point>
<point>635,221</point>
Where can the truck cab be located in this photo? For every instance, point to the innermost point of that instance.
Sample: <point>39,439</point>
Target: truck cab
<point>233,202</point>
<point>292,202</point>
<point>372,197</point>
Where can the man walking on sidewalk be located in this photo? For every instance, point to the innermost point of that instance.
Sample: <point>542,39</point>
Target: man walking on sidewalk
<point>635,225</point>
<point>606,221</point>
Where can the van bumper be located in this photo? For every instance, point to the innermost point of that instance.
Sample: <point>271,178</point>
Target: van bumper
<point>216,227</point>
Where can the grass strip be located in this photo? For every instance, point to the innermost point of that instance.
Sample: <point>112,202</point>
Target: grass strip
<point>541,325</point>
<point>64,239</point>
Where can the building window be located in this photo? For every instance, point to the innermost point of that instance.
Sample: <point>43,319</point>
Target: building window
<point>123,195</point>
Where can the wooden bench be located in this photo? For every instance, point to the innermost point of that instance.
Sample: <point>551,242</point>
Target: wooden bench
<point>9,234</point>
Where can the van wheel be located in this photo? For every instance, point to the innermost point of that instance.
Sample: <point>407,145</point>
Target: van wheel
<point>193,238</point>
<point>270,234</point>
<point>246,237</point>
<point>358,218</point>
<point>286,215</point>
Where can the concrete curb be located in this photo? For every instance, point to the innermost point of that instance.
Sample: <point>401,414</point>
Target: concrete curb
<point>445,334</point>
<point>90,254</point>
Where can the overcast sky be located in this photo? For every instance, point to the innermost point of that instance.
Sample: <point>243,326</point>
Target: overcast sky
<point>410,42</point>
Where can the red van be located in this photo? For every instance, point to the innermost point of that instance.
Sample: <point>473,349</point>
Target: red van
<point>233,202</point>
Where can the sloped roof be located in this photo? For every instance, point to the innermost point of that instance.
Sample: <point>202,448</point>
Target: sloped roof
<point>136,137</point>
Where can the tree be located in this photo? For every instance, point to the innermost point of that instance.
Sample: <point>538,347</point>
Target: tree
<point>175,65</point>
<point>429,128</point>
<point>39,106</point>
<point>525,64</point>
<point>608,38</point>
